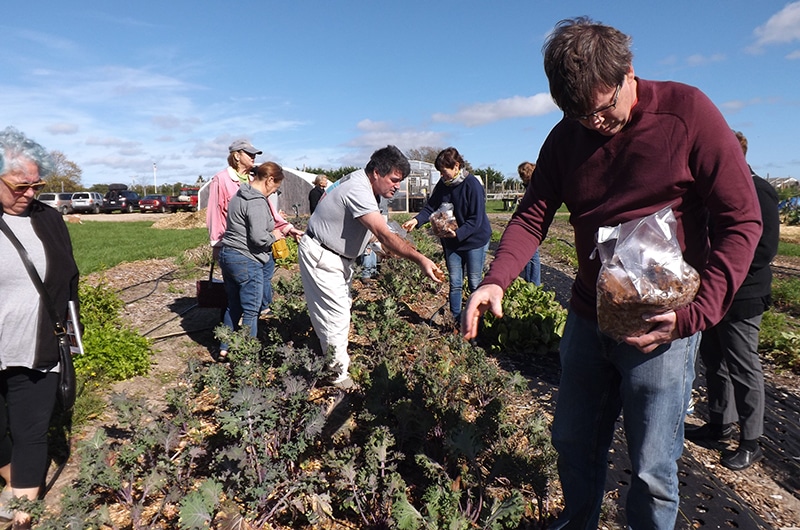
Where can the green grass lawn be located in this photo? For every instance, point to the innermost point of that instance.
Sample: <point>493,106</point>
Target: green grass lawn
<point>100,245</point>
<point>788,249</point>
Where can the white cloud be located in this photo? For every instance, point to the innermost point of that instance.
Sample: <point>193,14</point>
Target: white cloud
<point>62,128</point>
<point>702,60</point>
<point>502,109</point>
<point>782,27</point>
<point>794,55</point>
<point>47,40</point>
<point>736,105</point>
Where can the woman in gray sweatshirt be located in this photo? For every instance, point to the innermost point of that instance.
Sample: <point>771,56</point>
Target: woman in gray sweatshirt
<point>246,257</point>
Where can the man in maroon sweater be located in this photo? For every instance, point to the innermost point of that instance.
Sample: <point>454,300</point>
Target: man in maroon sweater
<point>627,148</point>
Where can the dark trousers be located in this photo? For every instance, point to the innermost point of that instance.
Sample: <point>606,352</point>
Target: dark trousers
<point>27,398</point>
<point>734,376</point>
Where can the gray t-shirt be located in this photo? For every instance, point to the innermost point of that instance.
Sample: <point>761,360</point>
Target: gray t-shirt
<point>19,305</point>
<point>335,222</point>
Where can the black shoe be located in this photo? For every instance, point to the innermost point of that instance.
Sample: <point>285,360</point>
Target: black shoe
<point>742,459</point>
<point>708,433</point>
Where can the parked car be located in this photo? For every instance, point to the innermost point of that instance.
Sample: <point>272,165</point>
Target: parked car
<point>60,201</point>
<point>186,201</point>
<point>791,202</point>
<point>153,203</point>
<point>87,201</point>
<point>123,200</point>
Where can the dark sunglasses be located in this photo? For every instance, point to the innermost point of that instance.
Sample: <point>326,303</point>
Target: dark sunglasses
<point>22,188</point>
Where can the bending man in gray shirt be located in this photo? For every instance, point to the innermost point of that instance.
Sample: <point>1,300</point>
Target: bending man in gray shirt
<point>338,232</point>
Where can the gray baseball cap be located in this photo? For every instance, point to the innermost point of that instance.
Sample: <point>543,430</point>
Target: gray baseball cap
<point>243,145</point>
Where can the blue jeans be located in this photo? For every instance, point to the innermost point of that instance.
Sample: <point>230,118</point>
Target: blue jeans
<point>600,377</point>
<point>532,273</point>
<point>244,285</point>
<point>268,272</point>
<point>369,264</point>
<point>227,321</point>
<point>457,261</point>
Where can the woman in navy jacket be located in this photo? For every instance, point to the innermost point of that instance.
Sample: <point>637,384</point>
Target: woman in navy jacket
<point>466,247</point>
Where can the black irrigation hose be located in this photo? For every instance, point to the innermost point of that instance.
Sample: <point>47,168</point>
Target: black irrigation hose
<point>170,320</point>
<point>179,333</point>
<point>156,280</point>
<point>155,286</point>
<point>790,271</point>
<point>147,281</point>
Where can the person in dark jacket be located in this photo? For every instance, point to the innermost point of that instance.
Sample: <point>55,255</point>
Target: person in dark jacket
<point>29,352</point>
<point>466,247</point>
<point>729,350</point>
<point>316,193</point>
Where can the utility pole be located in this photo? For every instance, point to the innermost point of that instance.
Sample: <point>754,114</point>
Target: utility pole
<point>155,183</point>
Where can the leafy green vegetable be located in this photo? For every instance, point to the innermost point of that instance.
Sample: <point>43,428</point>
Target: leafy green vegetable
<point>533,321</point>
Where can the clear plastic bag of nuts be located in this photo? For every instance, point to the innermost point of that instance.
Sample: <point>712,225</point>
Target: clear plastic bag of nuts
<point>443,221</point>
<point>642,272</point>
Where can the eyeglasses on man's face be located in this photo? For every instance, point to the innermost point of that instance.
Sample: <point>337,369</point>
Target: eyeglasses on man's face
<point>595,114</point>
<point>24,186</point>
<point>251,155</point>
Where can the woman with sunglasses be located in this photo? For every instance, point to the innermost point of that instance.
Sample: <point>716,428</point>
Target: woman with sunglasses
<point>29,350</point>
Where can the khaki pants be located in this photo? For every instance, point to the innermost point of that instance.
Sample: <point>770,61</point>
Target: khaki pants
<point>326,280</point>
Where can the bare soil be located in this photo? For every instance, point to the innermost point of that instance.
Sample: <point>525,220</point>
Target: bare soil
<point>160,303</point>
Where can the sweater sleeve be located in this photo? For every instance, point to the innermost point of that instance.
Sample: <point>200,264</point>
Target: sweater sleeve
<point>217,209</point>
<point>724,184</point>
<point>523,235</point>
<point>280,223</point>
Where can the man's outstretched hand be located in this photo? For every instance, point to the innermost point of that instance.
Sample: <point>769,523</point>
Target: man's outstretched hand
<point>485,297</point>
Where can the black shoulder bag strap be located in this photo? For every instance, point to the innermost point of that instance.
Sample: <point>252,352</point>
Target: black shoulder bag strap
<point>58,326</point>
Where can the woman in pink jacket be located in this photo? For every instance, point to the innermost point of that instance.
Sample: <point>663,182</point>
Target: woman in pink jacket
<point>224,185</point>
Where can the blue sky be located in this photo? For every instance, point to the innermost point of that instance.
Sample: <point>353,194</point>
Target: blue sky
<point>119,86</point>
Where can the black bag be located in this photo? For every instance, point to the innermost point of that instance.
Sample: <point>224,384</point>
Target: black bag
<point>66,376</point>
<point>211,292</point>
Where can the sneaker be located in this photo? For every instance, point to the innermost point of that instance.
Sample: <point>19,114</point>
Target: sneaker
<point>742,459</point>
<point>708,433</point>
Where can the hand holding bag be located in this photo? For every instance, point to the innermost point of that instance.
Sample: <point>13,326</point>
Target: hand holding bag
<point>642,272</point>
<point>66,378</point>
<point>211,292</point>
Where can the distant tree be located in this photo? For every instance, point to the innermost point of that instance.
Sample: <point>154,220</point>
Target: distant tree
<point>492,179</point>
<point>512,183</point>
<point>424,154</point>
<point>429,154</point>
<point>332,174</point>
<point>341,172</point>
<point>99,188</point>
<point>66,175</point>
